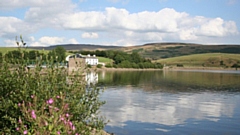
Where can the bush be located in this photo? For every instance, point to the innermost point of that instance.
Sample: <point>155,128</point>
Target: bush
<point>89,66</point>
<point>108,65</point>
<point>99,65</point>
<point>47,101</point>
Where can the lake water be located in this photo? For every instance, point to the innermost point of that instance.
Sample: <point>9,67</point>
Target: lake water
<point>171,102</point>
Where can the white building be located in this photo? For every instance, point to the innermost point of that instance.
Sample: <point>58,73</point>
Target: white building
<point>89,60</point>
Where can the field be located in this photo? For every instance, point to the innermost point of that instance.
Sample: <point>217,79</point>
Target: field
<point>104,60</point>
<point>203,60</point>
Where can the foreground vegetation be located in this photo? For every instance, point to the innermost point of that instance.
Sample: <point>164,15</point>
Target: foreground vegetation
<point>57,102</point>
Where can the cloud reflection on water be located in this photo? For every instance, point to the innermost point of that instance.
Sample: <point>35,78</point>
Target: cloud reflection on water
<point>132,104</point>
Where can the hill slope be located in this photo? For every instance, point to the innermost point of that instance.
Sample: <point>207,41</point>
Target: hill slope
<point>167,50</point>
<point>203,60</point>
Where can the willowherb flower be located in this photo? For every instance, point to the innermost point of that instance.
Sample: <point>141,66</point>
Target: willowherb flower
<point>56,109</point>
<point>19,104</point>
<point>19,121</point>
<point>58,132</point>
<point>50,101</point>
<point>70,123</point>
<point>33,114</point>
<point>58,96</point>
<point>67,115</point>
<point>17,128</point>
<point>73,128</point>
<point>61,118</point>
<point>32,96</point>
<point>25,132</point>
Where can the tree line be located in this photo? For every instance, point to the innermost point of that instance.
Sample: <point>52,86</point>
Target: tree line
<point>57,55</point>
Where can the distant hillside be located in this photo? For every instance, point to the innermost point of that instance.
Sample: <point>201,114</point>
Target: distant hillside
<point>156,50</point>
<point>167,50</point>
<point>78,47</point>
<point>203,60</point>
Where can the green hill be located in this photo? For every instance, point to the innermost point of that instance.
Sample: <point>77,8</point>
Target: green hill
<point>203,60</point>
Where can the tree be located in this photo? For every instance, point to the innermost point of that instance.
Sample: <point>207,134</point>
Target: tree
<point>58,54</point>
<point>13,56</point>
<point>33,54</point>
<point>118,58</point>
<point>136,58</point>
<point>1,58</point>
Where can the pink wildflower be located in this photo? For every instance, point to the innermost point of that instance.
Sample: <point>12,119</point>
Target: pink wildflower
<point>20,121</point>
<point>58,132</point>
<point>19,104</point>
<point>67,115</point>
<point>32,96</point>
<point>58,96</point>
<point>33,114</point>
<point>62,118</point>
<point>25,132</point>
<point>17,128</point>
<point>73,128</point>
<point>70,123</point>
<point>50,101</point>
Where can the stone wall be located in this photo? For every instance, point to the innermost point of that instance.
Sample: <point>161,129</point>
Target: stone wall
<point>75,64</point>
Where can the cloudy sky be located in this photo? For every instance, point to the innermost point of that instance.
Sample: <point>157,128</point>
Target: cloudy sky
<point>119,22</point>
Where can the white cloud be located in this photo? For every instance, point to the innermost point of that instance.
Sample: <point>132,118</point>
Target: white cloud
<point>73,41</point>
<point>218,27</point>
<point>118,25</point>
<point>12,26</point>
<point>10,43</point>
<point>46,41</point>
<point>90,35</point>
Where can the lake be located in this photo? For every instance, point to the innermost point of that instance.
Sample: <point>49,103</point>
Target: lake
<point>171,102</point>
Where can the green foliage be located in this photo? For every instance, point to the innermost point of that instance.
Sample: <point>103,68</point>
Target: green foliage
<point>108,65</point>
<point>48,100</point>
<point>1,57</point>
<point>58,54</point>
<point>89,66</point>
<point>99,66</point>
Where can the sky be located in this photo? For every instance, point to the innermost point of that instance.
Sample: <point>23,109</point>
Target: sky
<point>119,22</point>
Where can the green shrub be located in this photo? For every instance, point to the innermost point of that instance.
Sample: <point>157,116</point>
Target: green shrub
<point>47,101</point>
<point>108,65</point>
<point>99,65</point>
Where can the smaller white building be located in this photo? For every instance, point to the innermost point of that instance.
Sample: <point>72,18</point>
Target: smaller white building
<point>91,60</point>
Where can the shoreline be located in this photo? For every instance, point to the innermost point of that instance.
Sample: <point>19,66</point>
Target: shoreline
<point>167,68</point>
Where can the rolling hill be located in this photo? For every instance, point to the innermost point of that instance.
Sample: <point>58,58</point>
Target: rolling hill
<point>187,54</point>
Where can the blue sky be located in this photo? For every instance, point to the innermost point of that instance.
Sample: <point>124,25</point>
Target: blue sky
<point>119,22</point>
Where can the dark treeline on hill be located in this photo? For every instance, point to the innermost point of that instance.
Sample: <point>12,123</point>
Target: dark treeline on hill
<point>57,54</point>
<point>168,50</point>
<point>122,59</point>
<point>77,47</point>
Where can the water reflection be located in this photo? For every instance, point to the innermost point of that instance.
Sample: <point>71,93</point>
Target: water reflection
<point>171,102</point>
<point>172,81</point>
